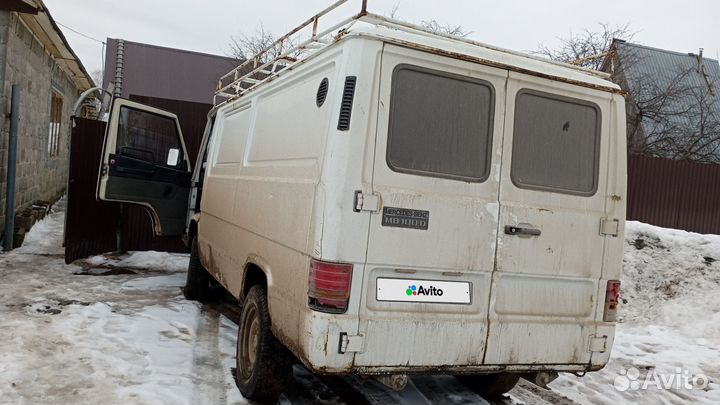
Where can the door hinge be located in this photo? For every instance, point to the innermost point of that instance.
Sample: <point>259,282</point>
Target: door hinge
<point>351,343</point>
<point>597,344</point>
<point>366,202</point>
<point>609,227</point>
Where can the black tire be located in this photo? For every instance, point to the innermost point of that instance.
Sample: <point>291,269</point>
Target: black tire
<point>197,284</point>
<point>490,385</point>
<point>263,368</point>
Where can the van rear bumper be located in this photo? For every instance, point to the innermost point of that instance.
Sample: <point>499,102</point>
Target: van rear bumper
<point>454,369</point>
<point>319,344</point>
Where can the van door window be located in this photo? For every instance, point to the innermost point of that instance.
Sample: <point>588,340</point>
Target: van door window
<point>148,137</point>
<point>556,142</point>
<point>440,124</point>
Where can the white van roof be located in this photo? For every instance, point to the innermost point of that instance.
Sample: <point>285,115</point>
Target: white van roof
<point>461,48</point>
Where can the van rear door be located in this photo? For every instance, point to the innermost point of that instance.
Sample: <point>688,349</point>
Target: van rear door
<point>552,200</point>
<point>432,243</point>
<point>145,162</point>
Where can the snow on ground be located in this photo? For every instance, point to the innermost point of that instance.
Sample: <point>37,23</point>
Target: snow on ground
<point>670,323</point>
<point>118,331</point>
<point>71,338</point>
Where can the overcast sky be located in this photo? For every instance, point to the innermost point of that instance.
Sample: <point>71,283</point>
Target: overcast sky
<point>206,26</point>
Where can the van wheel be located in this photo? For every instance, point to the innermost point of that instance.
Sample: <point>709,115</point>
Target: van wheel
<point>490,385</point>
<point>263,368</point>
<point>197,284</point>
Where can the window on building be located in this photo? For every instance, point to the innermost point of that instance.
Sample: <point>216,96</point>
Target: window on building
<point>55,124</point>
<point>440,124</point>
<point>556,144</point>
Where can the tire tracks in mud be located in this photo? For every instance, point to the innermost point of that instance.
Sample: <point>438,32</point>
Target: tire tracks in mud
<point>206,358</point>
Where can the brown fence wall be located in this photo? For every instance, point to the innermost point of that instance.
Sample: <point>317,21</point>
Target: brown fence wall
<point>674,194</point>
<point>89,224</point>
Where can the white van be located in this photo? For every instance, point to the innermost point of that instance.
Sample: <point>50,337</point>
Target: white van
<point>396,202</point>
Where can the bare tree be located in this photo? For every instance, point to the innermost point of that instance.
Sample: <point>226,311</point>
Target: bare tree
<point>588,48</point>
<point>670,118</point>
<point>394,10</point>
<point>245,46</point>
<point>433,25</point>
<point>455,30</point>
<point>669,113</point>
<point>97,76</point>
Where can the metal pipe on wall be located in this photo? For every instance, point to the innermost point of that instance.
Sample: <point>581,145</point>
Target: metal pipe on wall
<point>11,169</point>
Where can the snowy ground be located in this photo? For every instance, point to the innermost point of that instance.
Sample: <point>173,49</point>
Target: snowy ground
<point>117,331</point>
<point>70,337</point>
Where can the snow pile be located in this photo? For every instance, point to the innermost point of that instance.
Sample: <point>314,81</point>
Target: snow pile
<point>43,236</point>
<point>669,324</point>
<point>665,265</point>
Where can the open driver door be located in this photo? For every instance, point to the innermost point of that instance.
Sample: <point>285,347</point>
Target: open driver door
<point>145,162</point>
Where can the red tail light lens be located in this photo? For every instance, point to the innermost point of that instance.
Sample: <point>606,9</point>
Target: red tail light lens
<point>329,286</point>
<point>612,298</point>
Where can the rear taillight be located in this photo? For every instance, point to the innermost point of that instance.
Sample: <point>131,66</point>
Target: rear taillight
<point>612,297</point>
<point>329,286</point>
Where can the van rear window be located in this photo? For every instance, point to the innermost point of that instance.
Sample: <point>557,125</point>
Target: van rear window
<point>440,124</point>
<point>556,144</point>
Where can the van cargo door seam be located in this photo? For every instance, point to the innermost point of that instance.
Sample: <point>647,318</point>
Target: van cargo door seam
<point>499,208</point>
<point>603,263</point>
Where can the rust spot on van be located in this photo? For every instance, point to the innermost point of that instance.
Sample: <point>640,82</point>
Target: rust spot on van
<point>207,259</point>
<point>615,197</point>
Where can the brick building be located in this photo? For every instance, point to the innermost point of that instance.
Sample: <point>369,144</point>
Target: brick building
<point>35,55</point>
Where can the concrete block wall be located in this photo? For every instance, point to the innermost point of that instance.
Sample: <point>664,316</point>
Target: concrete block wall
<point>39,176</point>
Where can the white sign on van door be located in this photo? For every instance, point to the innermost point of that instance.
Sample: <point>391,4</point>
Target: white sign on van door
<point>406,290</point>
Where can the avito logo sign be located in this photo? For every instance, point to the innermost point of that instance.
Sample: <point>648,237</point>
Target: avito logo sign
<point>415,290</point>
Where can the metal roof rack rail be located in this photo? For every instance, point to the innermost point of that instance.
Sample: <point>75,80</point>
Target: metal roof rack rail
<point>281,55</point>
<point>291,49</point>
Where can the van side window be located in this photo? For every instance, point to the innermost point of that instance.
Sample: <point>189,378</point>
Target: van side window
<point>556,144</point>
<point>440,124</point>
<point>148,137</point>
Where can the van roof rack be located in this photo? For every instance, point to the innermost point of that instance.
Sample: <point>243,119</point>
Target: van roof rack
<point>292,48</point>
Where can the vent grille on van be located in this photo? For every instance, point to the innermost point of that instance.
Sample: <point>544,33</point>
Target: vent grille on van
<point>347,102</point>
<point>322,92</point>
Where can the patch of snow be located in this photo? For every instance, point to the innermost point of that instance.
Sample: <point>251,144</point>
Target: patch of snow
<point>150,260</point>
<point>45,237</point>
<point>152,283</point>
<point>663,265</point>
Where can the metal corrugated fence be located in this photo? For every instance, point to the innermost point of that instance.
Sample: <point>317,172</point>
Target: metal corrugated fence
<point>674,194</point>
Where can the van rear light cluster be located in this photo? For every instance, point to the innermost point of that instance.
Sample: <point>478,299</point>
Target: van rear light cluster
<point>612,297</point>
<point>329,286</point>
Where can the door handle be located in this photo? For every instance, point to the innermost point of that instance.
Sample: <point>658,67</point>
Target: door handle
<point>521,230</point>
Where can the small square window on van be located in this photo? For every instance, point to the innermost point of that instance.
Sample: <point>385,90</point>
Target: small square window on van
<point>556,144</point>
<point>440,124</point>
